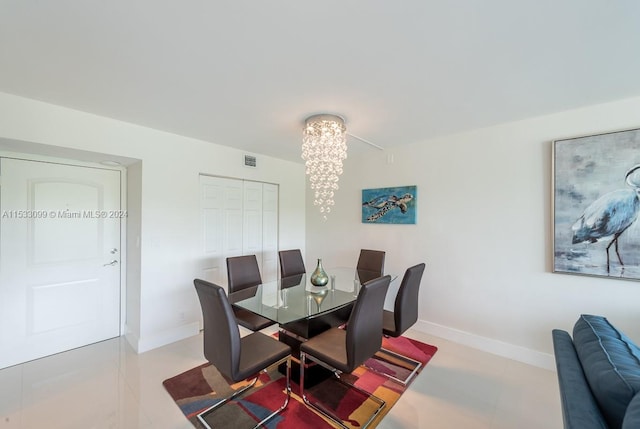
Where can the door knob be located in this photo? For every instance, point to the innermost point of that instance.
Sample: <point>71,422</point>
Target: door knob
<point>114,262</point>
<point>113,251</point>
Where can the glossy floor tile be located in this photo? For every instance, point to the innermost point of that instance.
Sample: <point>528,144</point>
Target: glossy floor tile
<point>108,385</point>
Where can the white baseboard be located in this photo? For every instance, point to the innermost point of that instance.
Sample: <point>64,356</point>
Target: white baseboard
<point>489,345</point>
<point>500,348</point>
<point>132,339</point>
<point>163,338</point>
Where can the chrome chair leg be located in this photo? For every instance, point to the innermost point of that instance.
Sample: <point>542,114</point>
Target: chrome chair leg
<point>286,401</point>
<point>201,416</point>
<point>325,412</point>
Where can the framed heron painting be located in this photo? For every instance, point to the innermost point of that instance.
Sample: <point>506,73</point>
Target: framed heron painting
<point>596,188</point>
<point>390,205</point>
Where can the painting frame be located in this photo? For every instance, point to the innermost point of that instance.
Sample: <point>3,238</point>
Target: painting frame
<point>392,205</point>
<point>595,205</point>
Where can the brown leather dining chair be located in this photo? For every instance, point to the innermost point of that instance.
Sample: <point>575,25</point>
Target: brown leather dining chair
<point>291,263</point>
<point>343,350</point>
<point>243,274</point>
<point>236,358</point>
<point>404,315</point>
<point>370,264</point>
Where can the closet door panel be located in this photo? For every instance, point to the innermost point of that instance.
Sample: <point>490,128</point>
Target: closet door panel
<point>269,231</point>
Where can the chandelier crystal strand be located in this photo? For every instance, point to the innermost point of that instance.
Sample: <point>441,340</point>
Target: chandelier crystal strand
<point>324,147</point>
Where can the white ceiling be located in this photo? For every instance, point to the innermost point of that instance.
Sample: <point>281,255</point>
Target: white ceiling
<point>247,73</point>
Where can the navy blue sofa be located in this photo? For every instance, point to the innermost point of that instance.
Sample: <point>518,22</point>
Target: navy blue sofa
<point>599,376</point>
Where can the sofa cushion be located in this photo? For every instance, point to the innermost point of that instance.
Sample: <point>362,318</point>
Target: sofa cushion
<point>611,363</point>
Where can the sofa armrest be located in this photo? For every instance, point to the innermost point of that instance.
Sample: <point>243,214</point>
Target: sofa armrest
<point>632,416</point>
<point>579,407</point>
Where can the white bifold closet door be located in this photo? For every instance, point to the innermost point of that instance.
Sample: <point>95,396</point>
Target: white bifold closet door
<point>239,217</point>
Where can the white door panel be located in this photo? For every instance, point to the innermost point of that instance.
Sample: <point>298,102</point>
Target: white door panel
<point>233,221</point>
<point>270,232</point>
<point>60,228</point>
<point>221,209</point>
<point>252,227</point>
<point>211,206</point>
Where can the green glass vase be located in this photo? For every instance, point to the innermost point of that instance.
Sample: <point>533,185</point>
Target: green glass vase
<point>319,277</point>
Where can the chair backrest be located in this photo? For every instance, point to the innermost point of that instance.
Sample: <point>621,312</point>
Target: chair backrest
<point>291,263</point>
<point>221,333</point>
<point>370,264</point>
<point>364,329</point>
<point>242,272</point>
<point>405,309</point>
<point>291,281</point>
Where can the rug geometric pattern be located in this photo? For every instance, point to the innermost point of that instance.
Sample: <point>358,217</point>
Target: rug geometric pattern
<point>199,388</point>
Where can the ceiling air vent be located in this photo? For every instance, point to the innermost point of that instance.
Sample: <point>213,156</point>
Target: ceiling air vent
<point>250,161</point>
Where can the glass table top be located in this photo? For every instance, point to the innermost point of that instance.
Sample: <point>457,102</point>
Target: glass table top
<point>294,298</point>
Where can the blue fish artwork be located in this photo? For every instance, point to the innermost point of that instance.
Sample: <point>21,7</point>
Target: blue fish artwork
<point>389,205</point>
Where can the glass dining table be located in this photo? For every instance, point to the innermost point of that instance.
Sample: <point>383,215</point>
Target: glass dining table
<point>303,310</point>
<point>294,298</point>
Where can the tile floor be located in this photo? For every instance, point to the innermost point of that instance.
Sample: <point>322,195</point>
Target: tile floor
<point>108,385</point>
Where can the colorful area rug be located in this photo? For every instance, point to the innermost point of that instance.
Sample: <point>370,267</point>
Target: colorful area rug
<point>203,386</point>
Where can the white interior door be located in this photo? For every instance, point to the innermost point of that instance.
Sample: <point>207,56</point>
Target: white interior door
<point>59,258</point>
<point>221,214</point>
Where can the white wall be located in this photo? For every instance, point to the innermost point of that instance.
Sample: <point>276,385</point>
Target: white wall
<point>483,223</point>
<point>484,231</point>
<point>163,307</point>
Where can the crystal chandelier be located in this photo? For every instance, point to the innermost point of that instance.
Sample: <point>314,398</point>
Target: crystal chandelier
<point>324,146</point>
